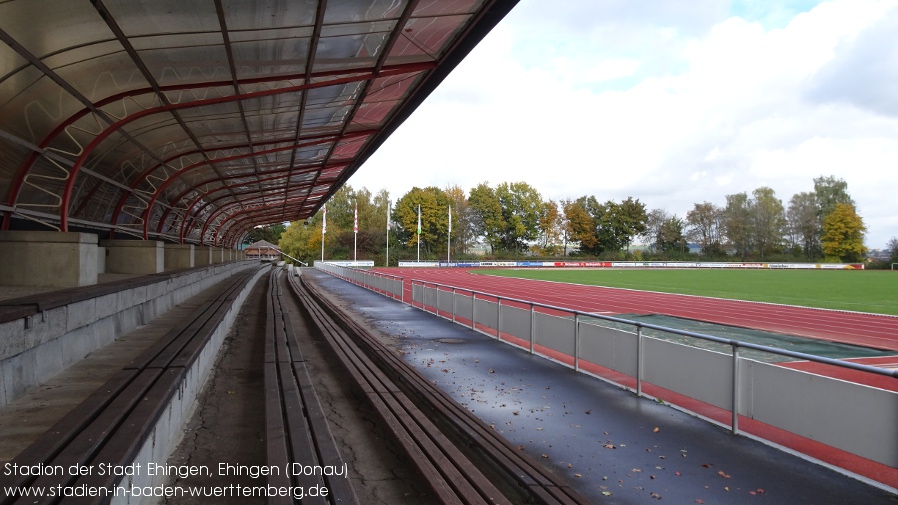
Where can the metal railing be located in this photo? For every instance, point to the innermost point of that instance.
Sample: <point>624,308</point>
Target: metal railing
<point>392,286</point>
<point>303,263</point>
<point>432,303</point>
<point>849,416</point>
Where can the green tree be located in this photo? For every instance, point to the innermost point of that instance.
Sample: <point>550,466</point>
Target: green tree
<point>653,231</point>
<point>843,234</point>
<point>380,207</point>
<point>487,220</point>
<point>521,206</point>
<point>767,221</point>
<point>610,227</point>
<point>670,236</point>
<point>341,241</point>
<point>614,225</point>
<point>340,208</point>
<point>704,227</point>
<point>271,233</point>
<point>463,235</point>
<point>434,206</point>
<point>803,224</point>
<point>737,222</point>
<point>829,192</point>
<point>632,218</point>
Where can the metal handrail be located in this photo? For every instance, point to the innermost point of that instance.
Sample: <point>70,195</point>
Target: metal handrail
<point>734,343</point>
<point>303,263</point>
<point>390,277</point>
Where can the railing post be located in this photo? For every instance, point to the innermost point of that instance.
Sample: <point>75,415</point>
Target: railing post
<point>577,342</point>
<point>532,327</point>
<point>735,389</point>
<point>453,304</point>
<point>498,318</point>
<point>473,310</point>
<point>638,360</point>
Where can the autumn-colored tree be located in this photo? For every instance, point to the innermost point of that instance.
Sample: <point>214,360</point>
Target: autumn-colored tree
<point>585,223</point>
<point>302,240</point>
<point>550,226</point>
<point>580,225</point>
<point>843,234</point>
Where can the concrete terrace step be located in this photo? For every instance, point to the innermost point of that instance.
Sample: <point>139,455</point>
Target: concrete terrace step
<point>24,419</point>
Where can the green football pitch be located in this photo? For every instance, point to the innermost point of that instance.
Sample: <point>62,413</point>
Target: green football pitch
<point>873,291</point>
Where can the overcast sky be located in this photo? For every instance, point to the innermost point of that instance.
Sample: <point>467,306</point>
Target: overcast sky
<point>673,103</point>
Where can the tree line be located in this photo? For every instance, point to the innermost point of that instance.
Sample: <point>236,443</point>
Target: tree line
<point>511,219</point>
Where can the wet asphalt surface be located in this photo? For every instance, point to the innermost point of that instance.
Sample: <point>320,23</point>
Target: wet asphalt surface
<point>610,445</point>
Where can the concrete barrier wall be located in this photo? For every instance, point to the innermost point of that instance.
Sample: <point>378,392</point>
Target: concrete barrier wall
<point>706,375</point>
<point>859,419</point>
<point>36,348</point>
<point>556,333</point>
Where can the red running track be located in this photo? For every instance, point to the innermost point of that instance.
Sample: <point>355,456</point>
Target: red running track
<point>869,330</point>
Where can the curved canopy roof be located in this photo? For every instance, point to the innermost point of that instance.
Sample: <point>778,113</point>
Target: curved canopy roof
<point>196,120</point>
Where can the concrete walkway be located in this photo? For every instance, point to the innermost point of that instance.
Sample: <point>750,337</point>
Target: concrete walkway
<point>612,446</point>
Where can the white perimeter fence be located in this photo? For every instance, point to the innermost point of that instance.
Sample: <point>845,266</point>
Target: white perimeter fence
<point>855,418</point>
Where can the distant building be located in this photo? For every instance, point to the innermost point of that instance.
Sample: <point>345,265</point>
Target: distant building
<point>262,250</point>
<point>878,254</point>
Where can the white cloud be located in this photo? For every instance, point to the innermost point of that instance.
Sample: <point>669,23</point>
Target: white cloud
<point>674,108</point>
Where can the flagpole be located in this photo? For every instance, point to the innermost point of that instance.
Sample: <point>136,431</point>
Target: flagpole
<point>449,238</point>
<point>355,229</point>
<point>387,263</point>
<point>419,233</point>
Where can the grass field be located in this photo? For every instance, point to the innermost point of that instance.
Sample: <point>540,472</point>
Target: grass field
<point>863,291</point>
